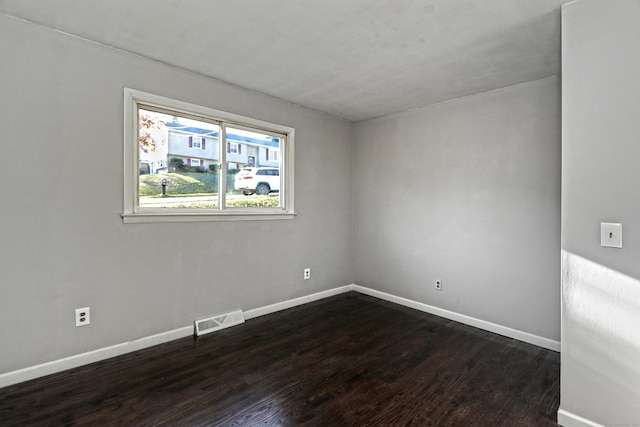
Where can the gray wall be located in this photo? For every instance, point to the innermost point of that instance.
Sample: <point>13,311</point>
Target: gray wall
<point>63,244</point>
<point>600,369</point>
<point>467,192</point>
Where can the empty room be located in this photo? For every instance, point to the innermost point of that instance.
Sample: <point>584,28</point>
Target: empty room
<point>320,213</point>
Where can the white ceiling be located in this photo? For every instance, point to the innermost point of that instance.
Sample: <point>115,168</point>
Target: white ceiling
<point>356,59</point>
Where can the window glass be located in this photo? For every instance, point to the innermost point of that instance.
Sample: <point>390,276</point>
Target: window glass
<point>259,185</point>
<point>190,163</point>
<point>186,182</point>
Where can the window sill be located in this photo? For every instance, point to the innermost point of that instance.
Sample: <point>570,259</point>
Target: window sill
<point>146,218</point>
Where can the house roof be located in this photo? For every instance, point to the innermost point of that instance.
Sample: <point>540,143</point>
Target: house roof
<point>215,134</point>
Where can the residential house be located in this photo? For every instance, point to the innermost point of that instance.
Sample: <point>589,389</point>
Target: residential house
<point>199,147</point>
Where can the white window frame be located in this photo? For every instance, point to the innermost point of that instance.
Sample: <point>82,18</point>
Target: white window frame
<point>133,213</point>
<point>197,145</point>
<point>233,147</point>
<point>196,162</point>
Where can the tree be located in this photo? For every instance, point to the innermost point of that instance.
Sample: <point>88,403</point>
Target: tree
<point>178,164</point>
<point>146,124</point>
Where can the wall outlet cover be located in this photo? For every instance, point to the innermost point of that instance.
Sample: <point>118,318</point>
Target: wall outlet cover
<point>611,235</point>
<point>83,316</point>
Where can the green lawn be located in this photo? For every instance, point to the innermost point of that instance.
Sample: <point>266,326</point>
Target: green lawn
<point>194,184</point>
<point>249,202</point>
<point>182,184</point>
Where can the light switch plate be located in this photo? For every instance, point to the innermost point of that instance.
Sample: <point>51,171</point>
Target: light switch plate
<point>610,235</point>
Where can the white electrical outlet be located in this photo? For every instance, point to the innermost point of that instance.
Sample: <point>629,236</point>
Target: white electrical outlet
<point>83,316</point>
<point>307,273</point>
<point>438,285</point>
<point>611,235</point>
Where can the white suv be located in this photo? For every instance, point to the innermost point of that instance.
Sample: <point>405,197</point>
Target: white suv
<point>261,181</point>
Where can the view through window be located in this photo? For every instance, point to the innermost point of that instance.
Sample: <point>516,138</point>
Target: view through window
<point>181,164</point>
<point>193,163</point>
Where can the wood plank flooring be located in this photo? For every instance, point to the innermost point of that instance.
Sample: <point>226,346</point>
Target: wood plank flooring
<point>349,360</point>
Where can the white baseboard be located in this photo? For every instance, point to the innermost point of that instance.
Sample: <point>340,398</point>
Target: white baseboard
<point>75,361</point>
<point>567,419</point>
<point>467,320</point>
<point>268,309</point>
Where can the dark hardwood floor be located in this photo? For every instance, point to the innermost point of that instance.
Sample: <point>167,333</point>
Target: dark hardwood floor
<point>349,360</point>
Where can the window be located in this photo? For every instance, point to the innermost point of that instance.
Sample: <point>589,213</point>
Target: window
<point>207,188</point>
<point>272,155</point>
<point>233,148</point>
<point>270,172</point>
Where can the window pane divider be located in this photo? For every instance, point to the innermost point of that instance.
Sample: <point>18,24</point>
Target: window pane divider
<point>222,181</point>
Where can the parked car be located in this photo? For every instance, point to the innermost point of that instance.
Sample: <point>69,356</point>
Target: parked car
<point>260,181</point>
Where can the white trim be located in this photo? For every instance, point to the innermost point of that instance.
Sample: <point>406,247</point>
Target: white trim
<point>158,217</point>
<point>467,320</point>
<point>261,311</point>
<point>234,120</point>
<point>52,367</point>
<point>77,360</point>
<point>567,419</point>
